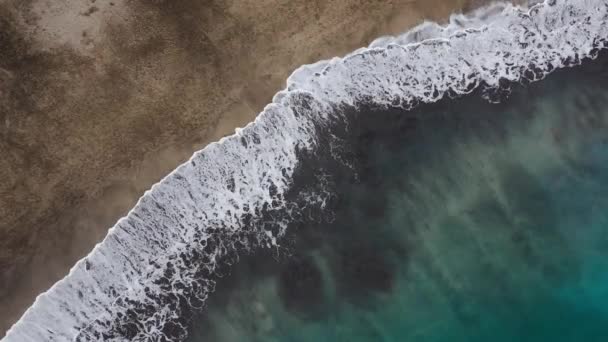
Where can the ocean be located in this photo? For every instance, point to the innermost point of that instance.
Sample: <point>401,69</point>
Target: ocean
<point>449,184</point>
<point>466,221</point>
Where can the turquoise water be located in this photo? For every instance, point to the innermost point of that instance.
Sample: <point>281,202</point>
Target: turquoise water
<point>469,221</point>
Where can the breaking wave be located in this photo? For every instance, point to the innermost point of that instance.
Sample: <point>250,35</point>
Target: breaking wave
<point>157,265</point>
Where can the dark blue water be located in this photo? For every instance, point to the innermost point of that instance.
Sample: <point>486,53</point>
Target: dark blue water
<point>457,221</point>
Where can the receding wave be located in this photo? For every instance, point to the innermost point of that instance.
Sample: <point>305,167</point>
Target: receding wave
<point>157,265</point>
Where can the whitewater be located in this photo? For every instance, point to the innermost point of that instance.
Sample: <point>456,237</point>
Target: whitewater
<point>157,264</point>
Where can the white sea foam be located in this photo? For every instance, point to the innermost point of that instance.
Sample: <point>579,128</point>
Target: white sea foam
<point>225,181</point>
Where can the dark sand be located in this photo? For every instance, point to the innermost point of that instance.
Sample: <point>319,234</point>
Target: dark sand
<point>100,99</point>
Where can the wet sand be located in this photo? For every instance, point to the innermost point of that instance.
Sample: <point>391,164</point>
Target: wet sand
<point>100,99</point>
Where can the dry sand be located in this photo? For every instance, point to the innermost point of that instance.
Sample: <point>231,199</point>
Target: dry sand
<point>101,98</point>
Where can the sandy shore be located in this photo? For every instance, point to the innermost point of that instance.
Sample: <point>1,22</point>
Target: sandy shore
<point>101,98</point>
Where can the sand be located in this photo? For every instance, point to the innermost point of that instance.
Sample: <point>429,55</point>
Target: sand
<point>100,99</point>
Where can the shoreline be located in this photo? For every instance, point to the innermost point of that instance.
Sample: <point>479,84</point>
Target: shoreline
<point>65,224</point>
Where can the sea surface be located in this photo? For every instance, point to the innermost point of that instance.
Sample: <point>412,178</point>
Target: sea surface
<point>447,184</point>
<point>466,221</point>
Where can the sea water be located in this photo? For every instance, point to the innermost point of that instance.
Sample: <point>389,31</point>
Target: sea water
<point>467,221</point>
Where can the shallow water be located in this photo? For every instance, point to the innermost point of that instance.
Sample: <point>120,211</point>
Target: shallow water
<point>466,221</point>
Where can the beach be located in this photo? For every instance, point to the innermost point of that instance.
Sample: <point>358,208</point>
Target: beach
<point>100,100</point>
<point>443,184</point>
